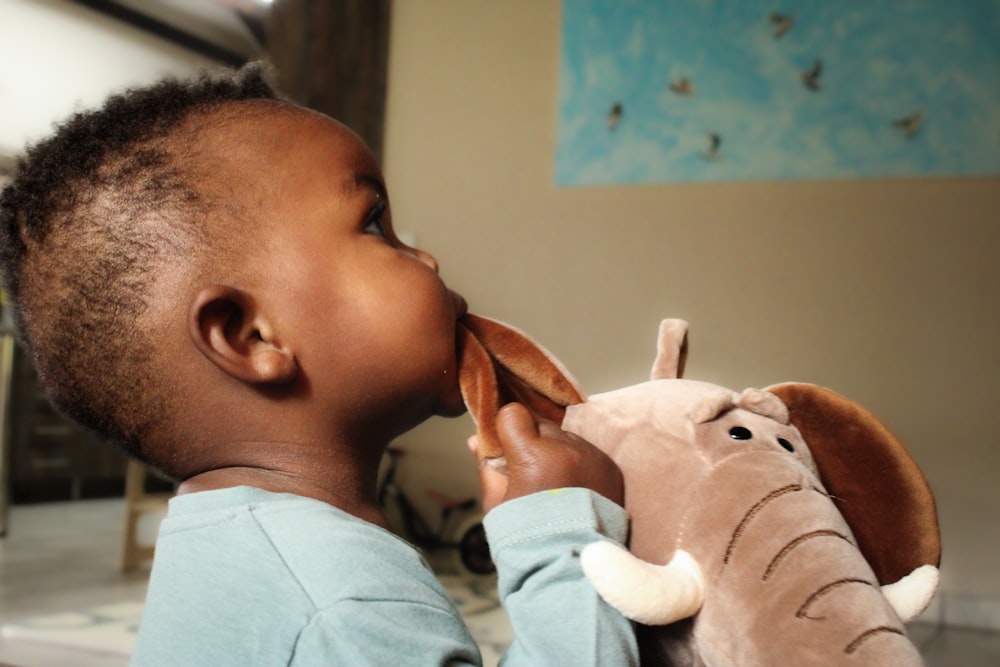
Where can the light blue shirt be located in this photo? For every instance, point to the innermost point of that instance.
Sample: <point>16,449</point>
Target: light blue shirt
<point>248,578</point>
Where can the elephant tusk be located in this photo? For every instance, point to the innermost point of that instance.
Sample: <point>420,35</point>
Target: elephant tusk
<point>911,595</point>
<point>644,592</point>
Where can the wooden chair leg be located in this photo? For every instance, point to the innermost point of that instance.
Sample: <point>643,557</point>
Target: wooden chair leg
<point>138,503</point>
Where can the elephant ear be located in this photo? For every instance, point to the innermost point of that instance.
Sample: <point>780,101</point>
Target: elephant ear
<point>875,483</point>
<point>498,364</point>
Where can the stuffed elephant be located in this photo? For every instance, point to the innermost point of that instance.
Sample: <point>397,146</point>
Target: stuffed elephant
<point>784,526</point>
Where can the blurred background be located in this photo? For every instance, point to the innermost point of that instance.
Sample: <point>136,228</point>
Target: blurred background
<point>884,289</point>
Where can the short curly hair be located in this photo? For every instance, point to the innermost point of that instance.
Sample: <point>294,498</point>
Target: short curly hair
<point>90,216</point>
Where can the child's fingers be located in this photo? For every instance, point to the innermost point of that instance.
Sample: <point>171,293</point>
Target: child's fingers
<point>494,484</point>
<point>516,428</point>
<point>534,451</point>
<point>521,435</point>
<point>492,479</point>
<point>541,456</point>
<point>523,442</point>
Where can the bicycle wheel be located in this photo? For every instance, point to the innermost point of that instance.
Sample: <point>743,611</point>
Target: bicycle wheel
<point>473,551</point>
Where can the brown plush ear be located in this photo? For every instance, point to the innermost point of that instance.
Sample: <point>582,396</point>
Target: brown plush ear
<point>499,365</point>
<point>876,485</point>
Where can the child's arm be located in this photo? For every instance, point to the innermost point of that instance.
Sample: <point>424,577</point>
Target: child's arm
<point>558,494</point>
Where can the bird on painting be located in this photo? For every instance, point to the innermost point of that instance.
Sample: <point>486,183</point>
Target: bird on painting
<point>781,24</point>
<point>714,146</point>
<point>910,125</point>
<point>682,86</point>
<point>810,77</point>
<point>615,115</point>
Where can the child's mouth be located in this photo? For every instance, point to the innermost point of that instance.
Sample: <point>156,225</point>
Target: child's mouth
<point>461,307</point>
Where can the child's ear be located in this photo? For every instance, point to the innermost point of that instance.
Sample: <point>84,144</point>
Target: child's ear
<point>226,326</point>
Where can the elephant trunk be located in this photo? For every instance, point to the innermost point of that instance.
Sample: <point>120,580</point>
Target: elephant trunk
<point>785,581</point>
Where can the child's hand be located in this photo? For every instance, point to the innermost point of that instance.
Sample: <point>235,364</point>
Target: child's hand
<point>541,456</point>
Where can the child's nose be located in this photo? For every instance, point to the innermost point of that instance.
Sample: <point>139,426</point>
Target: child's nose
<point>426,258</point>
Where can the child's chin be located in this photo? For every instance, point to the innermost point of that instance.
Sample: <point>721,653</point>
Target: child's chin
<point>451,406</point>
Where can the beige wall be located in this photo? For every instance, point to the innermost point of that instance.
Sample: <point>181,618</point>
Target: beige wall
<point>58,57</point>
<point>886,290</point>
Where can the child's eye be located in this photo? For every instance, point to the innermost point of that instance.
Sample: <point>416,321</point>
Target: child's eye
<point>375,227</point>
<point>373,222</point>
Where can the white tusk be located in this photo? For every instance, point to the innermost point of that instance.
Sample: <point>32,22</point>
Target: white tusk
<point>911,595</point>
<point>644,592</point>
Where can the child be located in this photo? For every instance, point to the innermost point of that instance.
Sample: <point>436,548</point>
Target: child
<point>208,276</point>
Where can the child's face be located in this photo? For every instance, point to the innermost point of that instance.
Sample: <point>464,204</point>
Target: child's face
<point>370,321</point>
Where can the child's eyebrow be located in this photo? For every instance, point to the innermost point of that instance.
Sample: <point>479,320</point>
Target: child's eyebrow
<point>366,180</point>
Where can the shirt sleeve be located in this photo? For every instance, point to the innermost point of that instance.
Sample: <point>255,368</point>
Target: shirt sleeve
<point>557,616</point>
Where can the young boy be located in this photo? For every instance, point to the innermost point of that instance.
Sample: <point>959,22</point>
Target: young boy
<point>208,276</point>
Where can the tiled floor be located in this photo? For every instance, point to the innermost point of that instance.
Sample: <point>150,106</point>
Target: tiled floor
<point>63,557</point>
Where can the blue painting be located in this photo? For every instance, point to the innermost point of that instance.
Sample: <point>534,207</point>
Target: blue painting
<point>721,90</point>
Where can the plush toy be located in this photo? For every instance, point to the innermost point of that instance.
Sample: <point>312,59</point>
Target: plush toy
<point>784,526</point>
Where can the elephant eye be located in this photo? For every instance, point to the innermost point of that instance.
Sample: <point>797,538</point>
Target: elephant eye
<point>740,433</point>
<point>787,445</point>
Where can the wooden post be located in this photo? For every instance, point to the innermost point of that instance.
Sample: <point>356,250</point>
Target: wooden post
<point>332,56</point>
